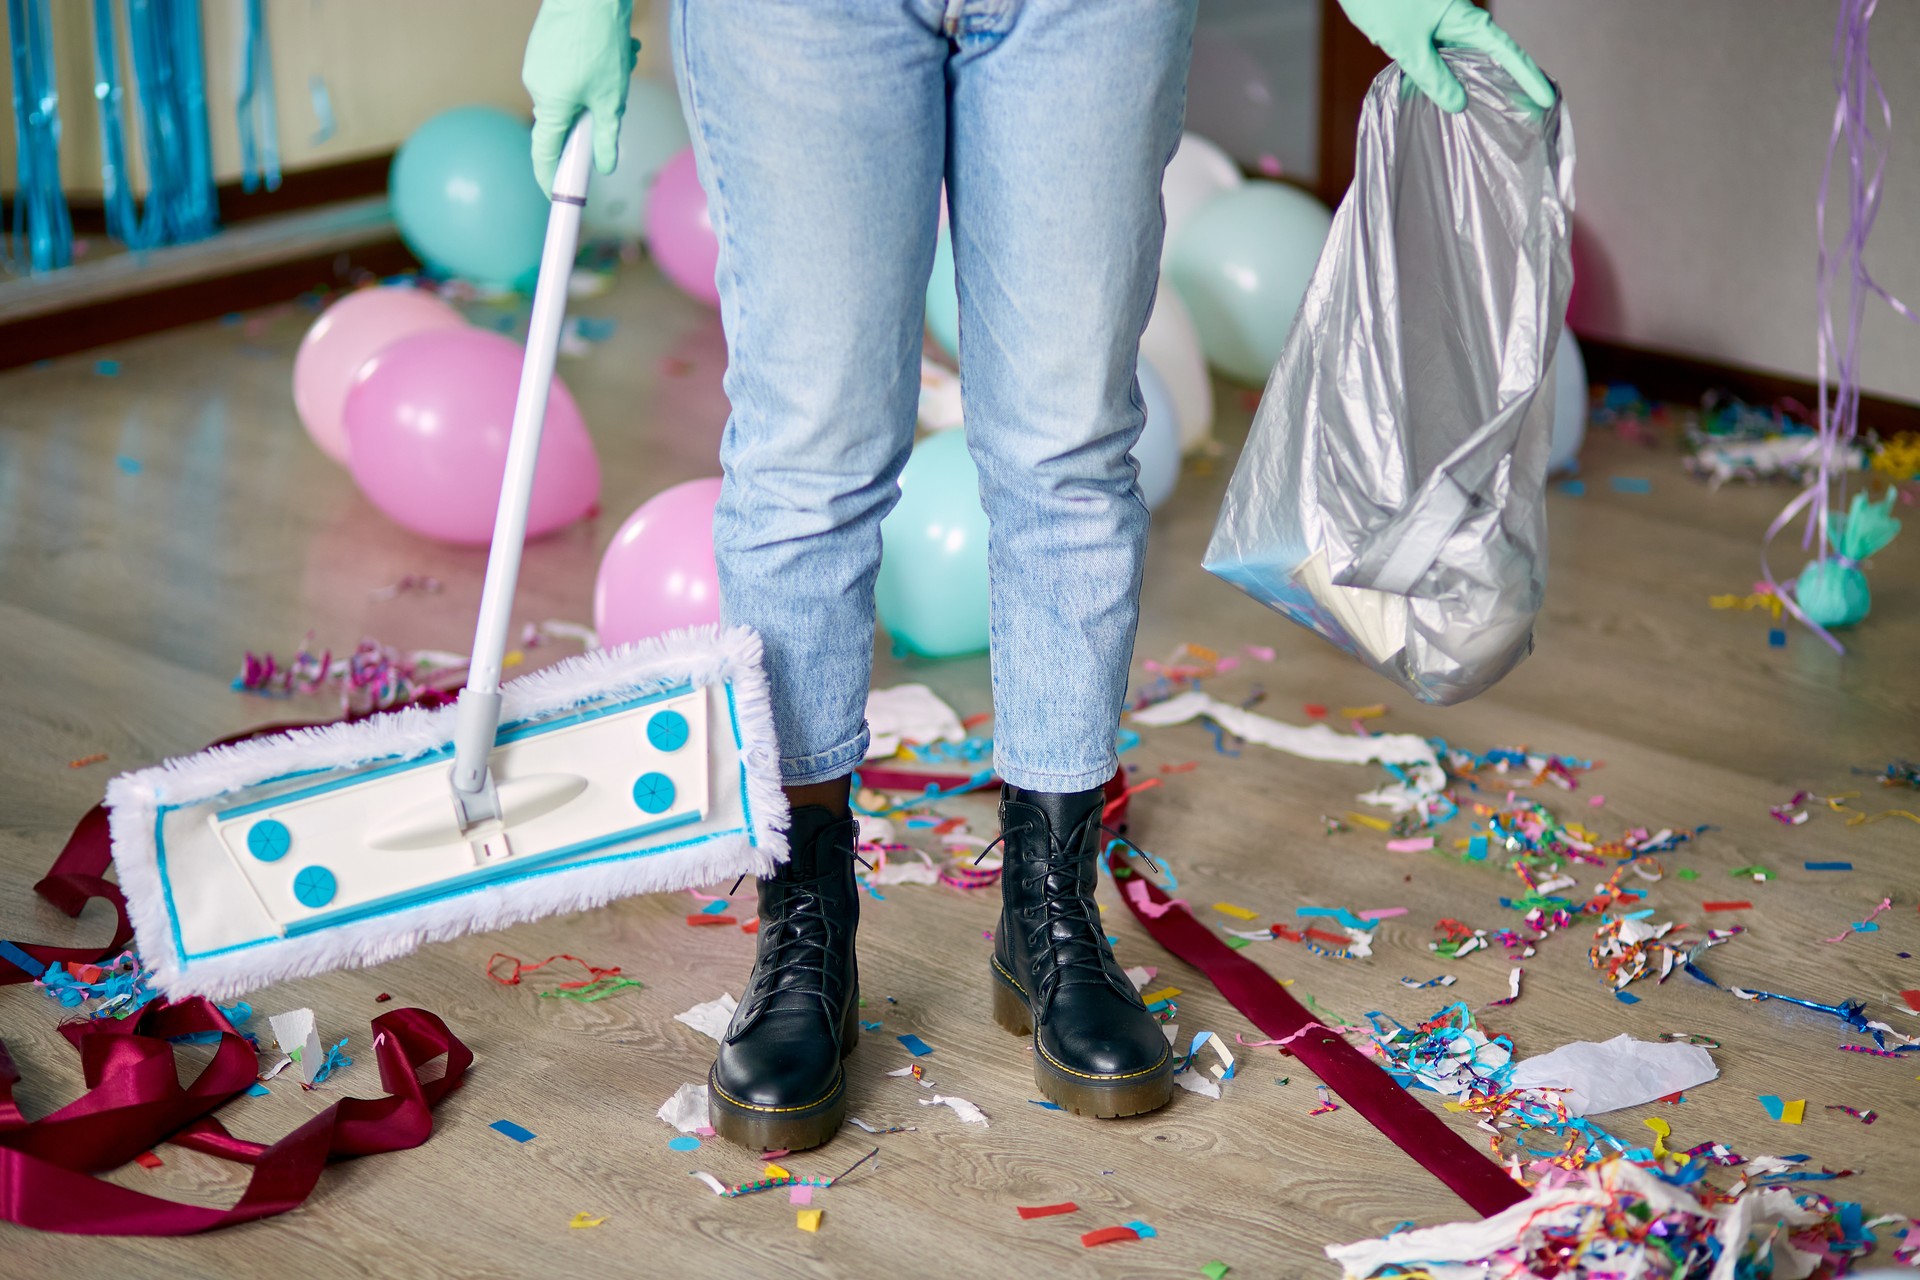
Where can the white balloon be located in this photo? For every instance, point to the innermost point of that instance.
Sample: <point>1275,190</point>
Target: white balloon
<point>1198,172</point>
<point>1172,346</point>
<point>1569,405</point>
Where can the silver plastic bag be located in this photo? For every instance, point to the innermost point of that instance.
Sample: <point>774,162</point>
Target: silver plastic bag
<point>1391,495</point>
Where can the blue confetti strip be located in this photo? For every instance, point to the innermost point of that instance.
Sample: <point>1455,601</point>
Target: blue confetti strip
<point>916,1046</point>
<point>512,1130</point>
<point>1829,866</point>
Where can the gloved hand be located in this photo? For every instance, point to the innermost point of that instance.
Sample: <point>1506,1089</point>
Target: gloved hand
<point>580,57</point>
<point>1410,31</point>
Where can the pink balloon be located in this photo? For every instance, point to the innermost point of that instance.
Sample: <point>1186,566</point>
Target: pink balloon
<point>428,421</point>
<point>680,231</point>
<point>345,336</point>
<point>658,575</point>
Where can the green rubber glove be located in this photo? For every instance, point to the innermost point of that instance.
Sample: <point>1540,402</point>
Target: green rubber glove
<point>1411,31</point>
<point>580,57</point>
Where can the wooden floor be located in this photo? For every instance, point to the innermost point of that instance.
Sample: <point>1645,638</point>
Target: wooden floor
<point>156,524</point>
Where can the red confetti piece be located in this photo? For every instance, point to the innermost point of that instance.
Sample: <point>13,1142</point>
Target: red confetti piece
<point>977,719</point>
<point>1109,1235</point>
<point>701,918</point>
<point>1727,906</point>
<point>1315,711</point>
<point>1337,939</point>
<point>84,761</point>
<point>1913,1000</point>
<point>1186,767</point>
<point>148,1160</point>
<point>382,998</point>
<point>1049,1210</point>
<point>751,926</point>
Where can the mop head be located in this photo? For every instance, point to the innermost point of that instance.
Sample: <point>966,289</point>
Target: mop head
<point>631,770</point>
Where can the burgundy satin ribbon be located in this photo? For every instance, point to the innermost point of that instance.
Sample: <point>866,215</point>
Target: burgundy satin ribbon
<point>77,877</point>
<point>134,1101</point>
<point>1360,1083</point>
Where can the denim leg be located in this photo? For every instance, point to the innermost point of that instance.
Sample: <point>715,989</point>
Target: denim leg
<point>819,130</point>
<point>1062,115</point>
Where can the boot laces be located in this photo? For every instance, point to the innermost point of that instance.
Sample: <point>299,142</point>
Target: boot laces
<point>799,951</point>
<point>1069,935</point>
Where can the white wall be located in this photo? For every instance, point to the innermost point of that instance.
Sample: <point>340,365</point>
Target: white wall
<point>387,64</point>
<point>1701,126</point>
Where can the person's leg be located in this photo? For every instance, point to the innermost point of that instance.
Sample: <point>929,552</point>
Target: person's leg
<point>1062,117</point>
<point>819,134</point>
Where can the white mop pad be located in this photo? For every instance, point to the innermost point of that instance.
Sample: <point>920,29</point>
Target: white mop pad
<point>643,768</point>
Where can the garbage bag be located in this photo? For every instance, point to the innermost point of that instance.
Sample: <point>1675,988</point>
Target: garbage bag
<point>1391,494</point>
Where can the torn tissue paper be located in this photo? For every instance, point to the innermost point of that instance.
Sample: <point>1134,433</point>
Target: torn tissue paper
<point>686,1110</point>
<point>1623,1072</point>
<point>908,713</point>
<point>712,1017</point>
<point>299,1039</point>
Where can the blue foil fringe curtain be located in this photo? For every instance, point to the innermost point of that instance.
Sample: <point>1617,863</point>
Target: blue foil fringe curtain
<point>42,231</point>
<point>257,107</point>
<point>170,81</point>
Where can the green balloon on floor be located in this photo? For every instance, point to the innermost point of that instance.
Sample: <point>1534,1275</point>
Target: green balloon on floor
<point>1241,264</point>
<point>932,590</point>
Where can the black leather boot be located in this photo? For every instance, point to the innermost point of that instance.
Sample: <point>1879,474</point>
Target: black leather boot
<point>778,1081</point>
<point>1096,1049</point>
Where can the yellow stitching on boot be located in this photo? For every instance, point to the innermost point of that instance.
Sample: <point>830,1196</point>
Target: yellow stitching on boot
<point>754,1106</point>
<point>1088,1075</point>
<point>1009,977</point>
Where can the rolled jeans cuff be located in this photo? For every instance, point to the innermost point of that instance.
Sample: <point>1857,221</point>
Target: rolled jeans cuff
<point>825,766</point>
<point>1054,783</point>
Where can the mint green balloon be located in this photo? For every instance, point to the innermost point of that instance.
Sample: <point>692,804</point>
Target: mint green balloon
<point>943,297</point>
<point>652,132</point>
<point>932,588</point>
<point>1241,264</point>
<point>465,199</point>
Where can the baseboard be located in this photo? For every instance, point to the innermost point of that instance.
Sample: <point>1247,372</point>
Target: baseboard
<point>97,323</point>
<point>1665,375</point>
<point>302,189</point>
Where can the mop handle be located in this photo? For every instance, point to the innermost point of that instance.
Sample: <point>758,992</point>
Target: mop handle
<point>478,716</point>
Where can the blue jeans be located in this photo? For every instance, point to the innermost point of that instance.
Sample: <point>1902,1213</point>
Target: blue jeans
<point>823,130</point>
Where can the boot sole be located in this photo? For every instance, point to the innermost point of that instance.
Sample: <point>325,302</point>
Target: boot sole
<point>1102,1097</point>
<point>798,1128</point>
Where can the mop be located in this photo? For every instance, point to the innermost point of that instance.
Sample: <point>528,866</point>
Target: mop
<point>646,767</point>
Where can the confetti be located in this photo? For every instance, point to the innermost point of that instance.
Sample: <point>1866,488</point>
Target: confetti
<point>1726,906</point>
<point>84,761</point>
<point>1864,1117</point>
<point>584,1219</point>
<point>148,1160</point>
<point>1238,913</point>
<point>1142,1230</point>
<point>1829,866</point>
<point>512,1130</point>
<point>1632,484</point>
<point>809,1219</point>
<point>915,1045</point>
<point>968,1113</point>
<point>1410,844</point>
<point>1215,1270</point>
<point>1785,1112</point>
<point>597,985</point>
<point>685,1142</point>
<point>1108,1235</point>
<point>800,1195</point>
<point>1046,1210</point>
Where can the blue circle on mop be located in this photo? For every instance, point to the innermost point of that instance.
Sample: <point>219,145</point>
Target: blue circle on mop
<point>653,792</point>
<point>269,840</point>
<point>314,886</point>
<point>667,731</point>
